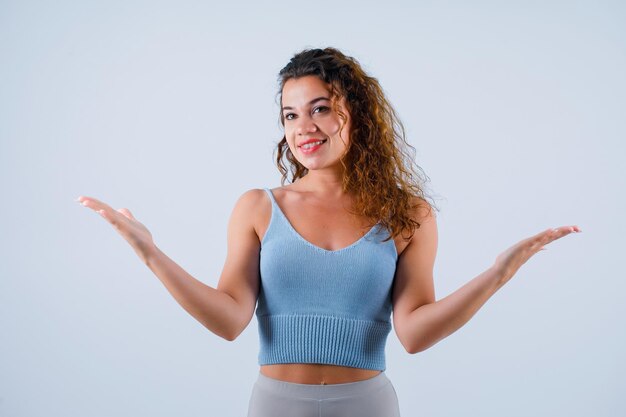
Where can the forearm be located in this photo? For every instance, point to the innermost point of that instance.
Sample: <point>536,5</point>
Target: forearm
<point>433,322</point>
<point>215,309</point>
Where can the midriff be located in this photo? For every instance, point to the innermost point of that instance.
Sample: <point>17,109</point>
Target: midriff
<point>316,374</point>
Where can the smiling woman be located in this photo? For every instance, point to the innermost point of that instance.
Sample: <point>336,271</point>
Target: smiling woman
<point>325,260</point>
<point>361,131</point>
<point>313,132</point>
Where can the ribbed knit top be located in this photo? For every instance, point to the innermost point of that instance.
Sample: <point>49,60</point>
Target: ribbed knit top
<point>323,306</point>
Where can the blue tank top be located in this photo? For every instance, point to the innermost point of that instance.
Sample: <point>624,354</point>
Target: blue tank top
<point>322,306</point>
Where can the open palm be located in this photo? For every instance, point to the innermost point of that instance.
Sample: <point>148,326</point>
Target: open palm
<point>509,261</point>
<point>135,233</point>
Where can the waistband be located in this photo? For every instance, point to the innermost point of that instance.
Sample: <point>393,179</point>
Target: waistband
<point>318,391</point>
<point>316,338</point>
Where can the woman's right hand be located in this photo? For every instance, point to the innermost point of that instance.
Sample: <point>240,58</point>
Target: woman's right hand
<point>125,223</point>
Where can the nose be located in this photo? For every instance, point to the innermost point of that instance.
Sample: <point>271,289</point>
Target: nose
<point>305,125</point>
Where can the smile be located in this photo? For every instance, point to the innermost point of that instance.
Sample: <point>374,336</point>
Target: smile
<point>312,146</point>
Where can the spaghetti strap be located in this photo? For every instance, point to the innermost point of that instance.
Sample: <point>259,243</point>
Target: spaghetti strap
<point>278,225</point>
<point>287,227</point>
<point>271,195</point>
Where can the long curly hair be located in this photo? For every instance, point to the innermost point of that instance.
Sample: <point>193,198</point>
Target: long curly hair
<point>379,168</point>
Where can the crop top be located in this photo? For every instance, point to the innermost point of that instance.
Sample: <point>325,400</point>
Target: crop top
<point>323,306</point>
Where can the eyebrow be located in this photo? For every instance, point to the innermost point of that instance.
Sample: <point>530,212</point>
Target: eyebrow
<point>310,102</point>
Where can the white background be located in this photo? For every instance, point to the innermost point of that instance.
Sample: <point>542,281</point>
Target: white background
<point>517,112</point>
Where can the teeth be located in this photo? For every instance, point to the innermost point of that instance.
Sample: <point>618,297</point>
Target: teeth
<point>311,144</point>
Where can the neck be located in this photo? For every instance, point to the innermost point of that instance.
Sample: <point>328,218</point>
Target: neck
<point>323,182</point>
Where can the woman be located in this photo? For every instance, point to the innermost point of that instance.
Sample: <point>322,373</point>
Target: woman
<point>330,255</point>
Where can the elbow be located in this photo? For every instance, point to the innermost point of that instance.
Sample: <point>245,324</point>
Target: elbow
<point>233,333</point>
<point>230,336</point>
<point>230,325</point>
<point>412,349</point>
<point>227,334</point>
<point>416,346</point>
<point>420,346</point>
<point>410,346</point>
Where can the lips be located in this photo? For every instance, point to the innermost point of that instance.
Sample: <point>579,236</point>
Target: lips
<point>311,140</point>
<point>311,146</point>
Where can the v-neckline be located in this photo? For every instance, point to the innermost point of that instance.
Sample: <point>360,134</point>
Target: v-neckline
<point>299,236</point>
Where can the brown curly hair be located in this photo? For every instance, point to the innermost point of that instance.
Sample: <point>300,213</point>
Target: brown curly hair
<point>378,164</point>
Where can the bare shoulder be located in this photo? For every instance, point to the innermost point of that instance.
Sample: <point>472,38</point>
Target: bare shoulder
<point>423,209</point>
<point>284,189</point>
<point>253,209</point>
<point>251,197</point>
<point>422,213</point>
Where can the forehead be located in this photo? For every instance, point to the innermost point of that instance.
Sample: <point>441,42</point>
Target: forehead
<point>298,91</point>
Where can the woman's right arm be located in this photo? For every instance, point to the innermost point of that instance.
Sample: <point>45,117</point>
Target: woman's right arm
<point>225,310</point>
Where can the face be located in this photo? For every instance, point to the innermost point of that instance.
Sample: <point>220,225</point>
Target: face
<point>309,118</point>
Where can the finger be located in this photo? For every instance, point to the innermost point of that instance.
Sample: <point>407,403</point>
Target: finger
<point>126,212</point>
<point>559,232</point>
<point>102,209</point>
<point>537,242</point>
<point>542,238</point>
<point>551,235</point>
<point>570,229</point>
<point>114,217</point>
<point>93,203</point>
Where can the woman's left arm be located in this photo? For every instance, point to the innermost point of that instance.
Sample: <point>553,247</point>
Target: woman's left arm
<point>419,320</point>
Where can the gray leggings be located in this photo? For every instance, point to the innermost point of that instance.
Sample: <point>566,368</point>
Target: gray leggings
<point>374,397</point>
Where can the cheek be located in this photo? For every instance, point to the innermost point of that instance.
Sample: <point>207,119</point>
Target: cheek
<point>331,127</point>
<point>290,142</point>
<point>345,131</point>
<point>290,131</point>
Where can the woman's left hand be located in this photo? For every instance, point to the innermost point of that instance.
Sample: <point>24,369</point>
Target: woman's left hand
<point>509,261</point>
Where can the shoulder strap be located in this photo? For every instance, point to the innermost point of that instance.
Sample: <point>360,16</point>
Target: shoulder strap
<point>278,224</point>
<point>269,193</point>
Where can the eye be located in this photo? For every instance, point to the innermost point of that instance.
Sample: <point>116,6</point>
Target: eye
<point>321,108</point>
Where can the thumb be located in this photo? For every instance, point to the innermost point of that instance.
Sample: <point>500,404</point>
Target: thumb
<point>126,213</point>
